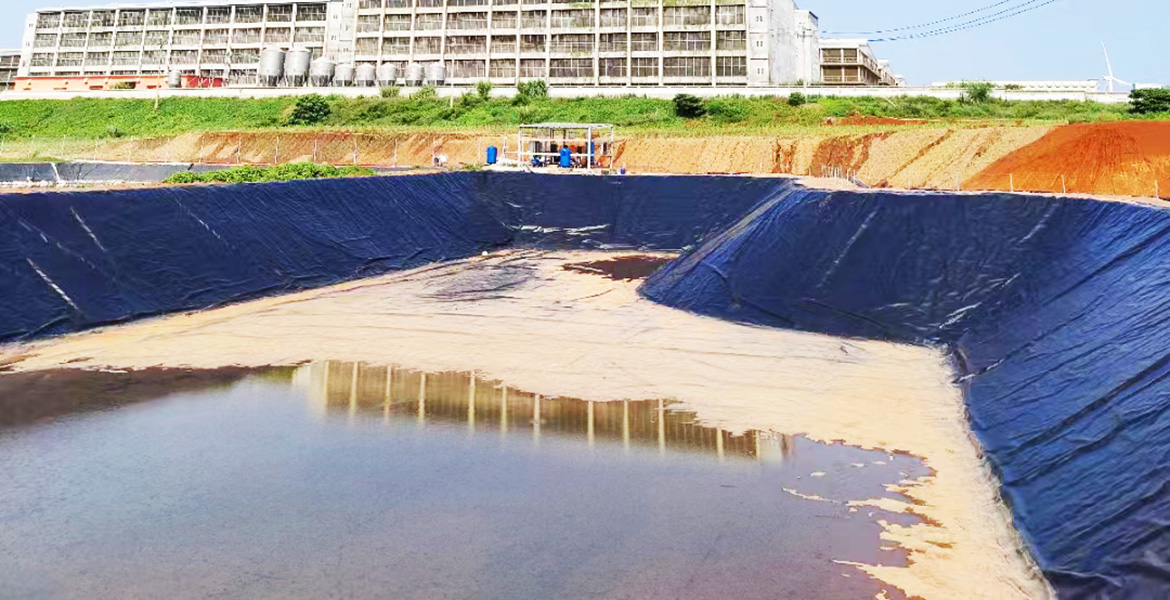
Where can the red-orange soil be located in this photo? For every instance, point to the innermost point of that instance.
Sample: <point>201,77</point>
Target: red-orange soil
<point>1128,158</point>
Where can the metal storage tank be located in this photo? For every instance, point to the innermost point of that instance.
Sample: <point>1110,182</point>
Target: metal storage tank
<point>271,67</point>
<point>296,67</point>
<point>343,76</point>
<point>365,75</point>
<point>175,79</point>
<point>414,74</point>
<point>436,73</point>
<point>321,72</point>
<point>387,74</point>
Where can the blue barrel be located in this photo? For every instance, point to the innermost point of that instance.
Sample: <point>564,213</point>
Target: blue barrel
<point>491,155</point>
<point>566,158</point>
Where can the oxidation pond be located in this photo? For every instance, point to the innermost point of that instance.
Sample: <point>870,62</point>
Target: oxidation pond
<point>350,480</point>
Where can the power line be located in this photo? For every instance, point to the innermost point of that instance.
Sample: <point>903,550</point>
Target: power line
<point>972,24</point>
<point>930,24</point>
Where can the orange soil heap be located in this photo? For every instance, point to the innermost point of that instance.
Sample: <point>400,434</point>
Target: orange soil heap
<point>1122,159</point>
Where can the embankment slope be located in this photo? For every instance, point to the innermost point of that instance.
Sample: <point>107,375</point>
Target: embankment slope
<point>1056,310</point>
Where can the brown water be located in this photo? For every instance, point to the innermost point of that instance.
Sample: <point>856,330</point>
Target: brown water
<point>353,480</point>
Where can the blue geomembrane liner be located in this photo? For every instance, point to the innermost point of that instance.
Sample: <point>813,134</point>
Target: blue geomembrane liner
<point>1056,309</point>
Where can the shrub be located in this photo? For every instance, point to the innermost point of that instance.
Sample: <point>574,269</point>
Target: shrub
<point>484,89</point>
<point>731,109</point>
<point>977,92</point>
<point>124,85</point>
<point>426,93</point>
<point>797,99</point>
<point>114,132</point>
<point>6,128</point>
<point>537,88</point>
<point>285,172</point>
<point>688,106</point>
<point>1144,102</point>
<point>389,92</point>
<point>309,110</point>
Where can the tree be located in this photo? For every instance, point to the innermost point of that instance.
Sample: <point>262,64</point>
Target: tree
<point>1147,101</point>
<point>797,99</point>
<point>688,106</point>
<point>533,90</point>
<point>977,92</point>
<point>312,109</point>
<point>484,89</point>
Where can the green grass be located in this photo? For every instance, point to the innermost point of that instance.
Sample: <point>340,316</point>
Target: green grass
<point>93,118</point>
<point>250,174</point>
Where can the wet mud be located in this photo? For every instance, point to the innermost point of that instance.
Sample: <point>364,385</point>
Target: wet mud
<point>626,268</point>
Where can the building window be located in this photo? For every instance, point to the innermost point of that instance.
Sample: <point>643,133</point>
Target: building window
<point>613,67</point>
<point>187,16</point>
<point>186,37</point>
<point>184,57</point>
<point>249,14</point>
<point>468,69</point>
<point>644,17</point>
<point>644,42</point>
<point>103,18</point>
<point>613,17</point>
<point>309,34</point>
<point>366,46</point>
<point>686,15</point>
<point>731,66</point>
<point>502,68</point>
<point>48,20</point>
<point>613,42</point>
<point>125,58</point>
<point>310,12</point>
<point>396,23</point>
<point>97,59</point>
<point>126,39</point>
<point>467,20</point>
<point>276,35</point>
<point>572,43</point>
<point>70,59</point>
<point>504,44</point>
<point>729,15</point>
<point>101,40</point>
<point>572,18</point>
<point>533,19</point>
<point>77,20</point>
<point>730,40</point>
<point>687,66</point>
<point>154,57</point>
<point>428,45</point>
<point>245,56</point>
<point>466,44</point>
<point>156,39</point>
<point>45,40</point>
<point>215,36</point>
<point>396,46</point>
<point>42,60</point>
<point>530,67</point>
<point>466,2</point>
<point>570,68</point>
<point>280,14</point>
<point>215,57</point>
<point>218,15</point>
<point>369,23</point>
<point>644,67</point>
<point>687,40</point>
<point>370,4</point>
<point>246,36</point>
<point>532,43</point>
<point>429,22</point>
<point>73,40</point>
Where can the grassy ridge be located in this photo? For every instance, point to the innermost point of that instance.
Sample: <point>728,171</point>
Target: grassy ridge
<point>111,118</point>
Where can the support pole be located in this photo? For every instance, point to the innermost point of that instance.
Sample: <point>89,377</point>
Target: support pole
<point>536,419</point>
<point>1063,188</point>
<point>1012,181</point>
<point>589,434</point>
<point>471,405</point>
<point>276,153</point>
<point>422,399</point>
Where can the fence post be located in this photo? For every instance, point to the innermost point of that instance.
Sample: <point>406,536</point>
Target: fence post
<point>355,150</point>
<point>316,140</point>
<point>95,147</point>
<point>239,146</point>
<point>1063,187</point>
<point>1012,181</point>
<point>199,157</point>
<point>1157,192</point>
<point>62,146</point>
<point>276,153</point>
<point>396,152</point>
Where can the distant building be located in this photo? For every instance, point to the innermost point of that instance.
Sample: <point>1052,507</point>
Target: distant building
<point>566,42</point>
<point>852,62</point>
<point>9,65</point>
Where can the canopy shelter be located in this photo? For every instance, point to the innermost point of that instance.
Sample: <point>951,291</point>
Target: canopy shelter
<point>591,145</point>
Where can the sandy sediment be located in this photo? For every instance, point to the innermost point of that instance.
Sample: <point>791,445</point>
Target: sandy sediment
<point>519,317</point>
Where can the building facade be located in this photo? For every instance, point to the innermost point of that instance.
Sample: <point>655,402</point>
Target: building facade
<point>577,42</point>
<point>9,67</point>
<point>852,62</point>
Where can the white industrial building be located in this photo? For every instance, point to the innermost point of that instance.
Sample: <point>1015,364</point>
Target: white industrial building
<point>566,42</point>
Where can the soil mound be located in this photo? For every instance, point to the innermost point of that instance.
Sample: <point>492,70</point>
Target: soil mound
<point>1130,158</point>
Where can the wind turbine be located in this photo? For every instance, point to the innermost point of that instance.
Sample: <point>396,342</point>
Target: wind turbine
<point>1110,79</point>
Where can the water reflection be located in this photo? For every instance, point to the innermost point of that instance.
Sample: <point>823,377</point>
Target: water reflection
<point>396,394</point>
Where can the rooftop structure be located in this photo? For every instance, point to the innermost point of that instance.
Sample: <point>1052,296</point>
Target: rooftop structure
<point>578,42</point>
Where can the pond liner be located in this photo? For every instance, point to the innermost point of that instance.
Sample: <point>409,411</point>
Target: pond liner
<point>1059,311</point>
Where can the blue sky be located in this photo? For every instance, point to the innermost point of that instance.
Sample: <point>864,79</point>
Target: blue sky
<point>1058,41</point>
